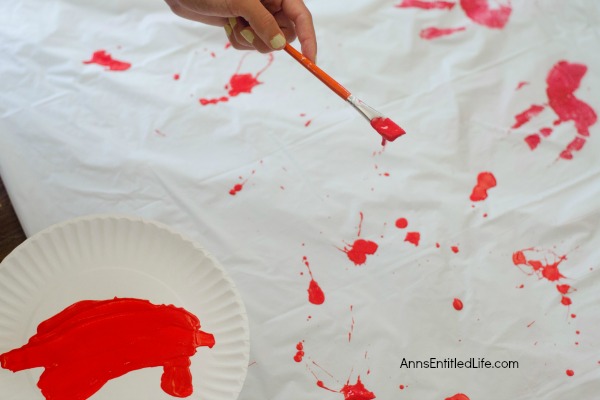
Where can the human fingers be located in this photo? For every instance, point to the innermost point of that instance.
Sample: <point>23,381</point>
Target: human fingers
<point>179,9</point>
<point>300,15</point>
<point>262,22</point>
<point>244,35</point>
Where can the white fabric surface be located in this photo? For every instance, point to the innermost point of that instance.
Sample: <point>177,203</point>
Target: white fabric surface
<point>76,139</point>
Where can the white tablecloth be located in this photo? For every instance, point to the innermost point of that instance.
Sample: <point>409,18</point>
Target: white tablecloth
<point>78,139</point>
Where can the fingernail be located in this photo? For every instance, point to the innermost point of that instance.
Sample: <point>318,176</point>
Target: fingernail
<point>232,21</point>
<point>228,30</point>
<point>278,41</point>
<point>248,35</point>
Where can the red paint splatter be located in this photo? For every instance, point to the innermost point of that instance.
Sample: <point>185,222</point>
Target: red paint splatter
<point>573,315</point>
<point>577,332</point>
<point>227,45</point>
<point>401,387</point>
<point>307,123</point>
<point>413,237</point>
<point>315,293</point>
<point>570,372</point>
<point>485,181</point>
<point>426,5</point>
<point>358,251</point>
<point>239,83</point>
<point>351,326</point>
<point>356,391</point>
<point>299,352</point>
<point>525,116</point>
<point>457,304</point>
<point>530,324</point>
<point>437,245</point>
<point>101,57</point>
<point>561,83</point>
<point>236,188</point>
<point>454,249</point>
<point>387,128</point>
<point>176,77</point>
<point>434,33</point>
<point>458,396</point>
<point>521,84</point>
<point>94,341</point>
<point>533,141</point>
<point>543,268</point>
<point>401,223</point>
<point>360,222</point>
<point>480,12</point>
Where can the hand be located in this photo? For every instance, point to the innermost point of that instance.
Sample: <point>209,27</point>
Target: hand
<point>265,25</point>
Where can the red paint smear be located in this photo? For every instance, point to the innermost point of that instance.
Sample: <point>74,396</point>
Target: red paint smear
<point>413,237</point>
<point>533,141</point>
<point>101,57</point>
<point>426,5</point>
<point>358,251</point>
<point>524,117</point>
<point>437,245</point>
<point>570,372</point>
<point>485,181</point>
<point>315,293</point>
<point>434,33</point>
<point>479,11</point>
<point>563,289</point>
<point>545,132</point>
<point>176,77</point>
<point>530,324</point>
<point>307,123</point>
<point>562,82</point>
<point>387,128</point>
<point>362,217</point>
<point>93,341</point>
<point>521,84</point>
<point>401,223</point>
<point>457,304</point>
<point>299,353</point>
<point>454,249</point>
<point>458,396</point>
<point>239,83</point>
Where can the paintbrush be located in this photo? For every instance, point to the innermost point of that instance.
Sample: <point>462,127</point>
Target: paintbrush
<point>387,128</point>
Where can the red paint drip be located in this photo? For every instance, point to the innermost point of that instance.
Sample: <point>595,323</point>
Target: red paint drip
<point>360,222</point>
<point>401,223</point>
<point>315,293</point>
<point>454,249</point>
<point>570,372</point>
<point>480,12</point>
<point>216,100</point>
<point>525,116</point>
<point>93,341</point>
<point>485,181</point>
<point>387,128</point>
<point>101,57</point>
<point>299,352</point>
<point>458,396</point>
<point>457,304</point>
<point>413,237</point>
<point>434,33</point>
<point>426,5</point>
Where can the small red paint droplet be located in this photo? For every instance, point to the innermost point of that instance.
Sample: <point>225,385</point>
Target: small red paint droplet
<point>532,141</point>
<point>563,289</point>
<point>573,315</point>
<point>457,304</point>
<point>236,188</point>
<point>307,123</point>
<point>299,352</point>
<point>570,372</point>
<point>101,57</point>
<point>401,223</point>
<point>401,387</point>
<point>485,181</point>
<point>577,332</point>
<point>521,286</point>
<point>521,84</point>
<point>437,245</point>
<point>485,215</point>
<point>454,249</point>
<point>413,237</point>
<point>358,251</point>
<point>387,128</point>
<point>566,301</point>
<point>176,77</point>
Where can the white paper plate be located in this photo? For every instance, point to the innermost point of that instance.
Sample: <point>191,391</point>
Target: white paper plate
<point>101,257</point>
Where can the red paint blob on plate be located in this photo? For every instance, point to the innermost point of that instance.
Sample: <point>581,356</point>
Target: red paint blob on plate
<point>387,128</point>
<point>101,57</point>
<point>93,341</point>
<point>401,223</point>
<point>457,304</point>
<point>413,237</point>
<point>434,33</point>
<point>480,12</point>
<point>485,181</point>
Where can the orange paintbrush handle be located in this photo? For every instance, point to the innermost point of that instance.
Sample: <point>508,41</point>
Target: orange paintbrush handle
<point>318,72</point>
